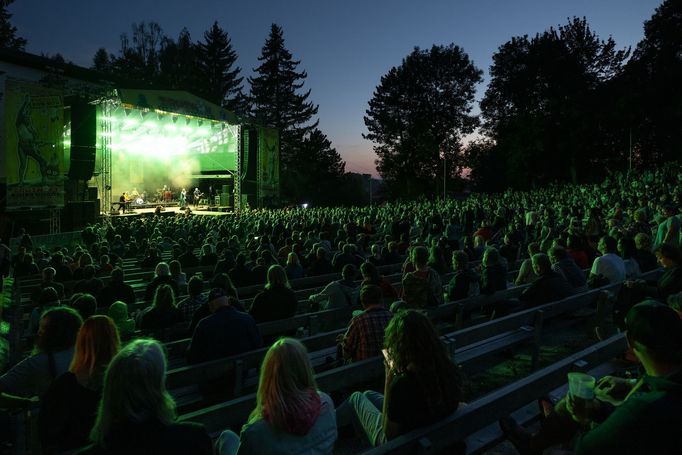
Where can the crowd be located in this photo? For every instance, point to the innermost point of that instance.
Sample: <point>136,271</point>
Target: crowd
<point>564,239</point>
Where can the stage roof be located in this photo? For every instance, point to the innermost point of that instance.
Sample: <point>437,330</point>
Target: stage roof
<point>176,101</point>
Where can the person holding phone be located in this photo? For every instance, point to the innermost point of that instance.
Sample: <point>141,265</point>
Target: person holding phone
<point>422,384</point>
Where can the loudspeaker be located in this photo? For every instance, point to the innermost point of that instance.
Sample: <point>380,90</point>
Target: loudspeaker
<point>83,140</point>
<point>76,215</point>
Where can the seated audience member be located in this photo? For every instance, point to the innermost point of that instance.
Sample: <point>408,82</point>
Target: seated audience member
<point>549,286</point>
<point>136,414</point>
<point>320,265</point>
<point>68,409</point>
<point>345,257</point>
<point>422,287</point>
<point>90,284</point>
<point>177,274</point>
<point>646,414</point>
<point>48,281</point>
<point>240,274</point>
<point>51,356</point>
<point>294,268</point>
<point>291,414</point>
<point>163,313</point>
<point>376,259</point>
<point>208,257</point>
<point>493,272</point>
<point>371,275</point>
<point>277,300</point>
<point>223,282</point>
<point>161,276</point>
<point>608,268</point>
<point>670,281</point>
<point>117,289</point>
<point>364,337</point>
<point>645,258</point>
<point>188,258</point>
<point>465,282</point>
<point>422,383</point>
<point>526,274</point>
<point>47,299</point>
<point>194,300</point>
<point>392,255</point>
<point>63,271</point>
<point>26,267</point>
<point>564,265</point>
<point>84,303</point>
<point>118,312</point>
<point>573,248</point>
<point>225,332</point>
<point>626,250</point>
<point>341,293</point>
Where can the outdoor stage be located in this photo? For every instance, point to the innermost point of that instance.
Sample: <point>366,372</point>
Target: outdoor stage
<point>202,210</point>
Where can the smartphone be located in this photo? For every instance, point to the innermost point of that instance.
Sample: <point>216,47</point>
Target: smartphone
<point>389,361</point>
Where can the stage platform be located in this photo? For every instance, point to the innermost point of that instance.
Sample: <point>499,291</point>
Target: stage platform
<point>172,211</point>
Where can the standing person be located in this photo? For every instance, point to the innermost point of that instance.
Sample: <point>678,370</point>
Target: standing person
<point>68,409</point>
<point>291,415</point>
<point>183,198</point>
<point>277,300</point>
<point>137,414</point>
<point>197,197</point>
<point>422,383</point>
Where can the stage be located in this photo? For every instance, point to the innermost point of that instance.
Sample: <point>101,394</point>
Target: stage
<point>171,210</point>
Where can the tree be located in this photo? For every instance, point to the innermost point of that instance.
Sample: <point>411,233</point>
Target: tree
<point>316,171</point>
<point>546,105</point>
<point>8,32</point>
<point>275,97</point>
<point>138,57</point>
<point>178,63</point>
<point>221,80</point>
<point>418,115</point>
<point>306,156</point>
<point>651,87</point>
<point>102,61</point>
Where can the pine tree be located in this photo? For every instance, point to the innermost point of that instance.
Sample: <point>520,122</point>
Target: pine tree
<point>8,32</point>
<point>217,64</point>
<point>102,61</point>
<point>178,63</point>
<point>275,98</point>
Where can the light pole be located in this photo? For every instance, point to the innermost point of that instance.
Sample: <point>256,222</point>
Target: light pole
<point>445,176</point>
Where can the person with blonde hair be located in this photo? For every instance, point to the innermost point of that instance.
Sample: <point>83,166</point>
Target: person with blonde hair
<point>68,409</point>
<point>277,300</point>
<point>291,415</point>
<point>137,414</point>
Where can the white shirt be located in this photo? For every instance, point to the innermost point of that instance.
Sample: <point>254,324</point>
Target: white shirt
<point>610,266</point>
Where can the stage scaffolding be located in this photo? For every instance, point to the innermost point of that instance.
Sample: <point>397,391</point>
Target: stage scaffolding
<point>104,180</point>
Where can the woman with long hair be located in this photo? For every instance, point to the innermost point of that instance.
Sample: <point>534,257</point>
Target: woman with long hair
<point>136,414</point>
<point>422,383</point>
<point>291,415</point>
<point>277,300</point>
<point>69,407</point>
<point>294,268</point>
<point>163,313</point>
<point>176,273</point>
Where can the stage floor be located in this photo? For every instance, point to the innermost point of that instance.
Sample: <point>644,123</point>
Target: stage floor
<point>202,210</point>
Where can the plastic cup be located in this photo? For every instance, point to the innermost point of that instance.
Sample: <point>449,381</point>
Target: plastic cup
<point>581,385</point>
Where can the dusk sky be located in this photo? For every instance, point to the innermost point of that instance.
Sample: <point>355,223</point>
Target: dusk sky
<point>345,46</point>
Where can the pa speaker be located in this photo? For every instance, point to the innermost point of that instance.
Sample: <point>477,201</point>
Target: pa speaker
<point>83,140</point>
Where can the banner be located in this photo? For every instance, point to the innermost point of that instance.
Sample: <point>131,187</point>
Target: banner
<point>34,158</point>
<point>268,163</point>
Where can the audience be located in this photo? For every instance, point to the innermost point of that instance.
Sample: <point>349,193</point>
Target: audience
<point>277,300</point>
<point>364,337</point>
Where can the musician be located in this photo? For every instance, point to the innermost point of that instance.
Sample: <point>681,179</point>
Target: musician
<point>122,202</point>
<point>197,196</point>
<point>183,198</point>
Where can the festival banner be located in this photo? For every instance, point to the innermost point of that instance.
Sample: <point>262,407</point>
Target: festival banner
<point>268,163</point>
<point>34,158</point>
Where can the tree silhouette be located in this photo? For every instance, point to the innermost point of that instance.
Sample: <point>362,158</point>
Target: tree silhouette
<point>8,32</point>
<point>418,115</point>
<point>221,82</point>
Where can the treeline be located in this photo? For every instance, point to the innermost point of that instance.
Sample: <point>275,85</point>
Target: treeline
<point>563,105</point>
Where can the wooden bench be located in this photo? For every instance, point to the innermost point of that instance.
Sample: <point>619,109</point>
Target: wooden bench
<point>488,409</point>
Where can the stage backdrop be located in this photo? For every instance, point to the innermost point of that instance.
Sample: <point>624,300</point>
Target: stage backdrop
<point>34,158</point>
<point>268,163</point>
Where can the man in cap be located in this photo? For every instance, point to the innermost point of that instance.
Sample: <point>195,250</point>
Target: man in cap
<point>226,332</point>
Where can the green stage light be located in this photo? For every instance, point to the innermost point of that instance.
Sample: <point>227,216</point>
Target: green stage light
<point>171,127</point>
<point>204,132</point>
<point>130,122</point>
